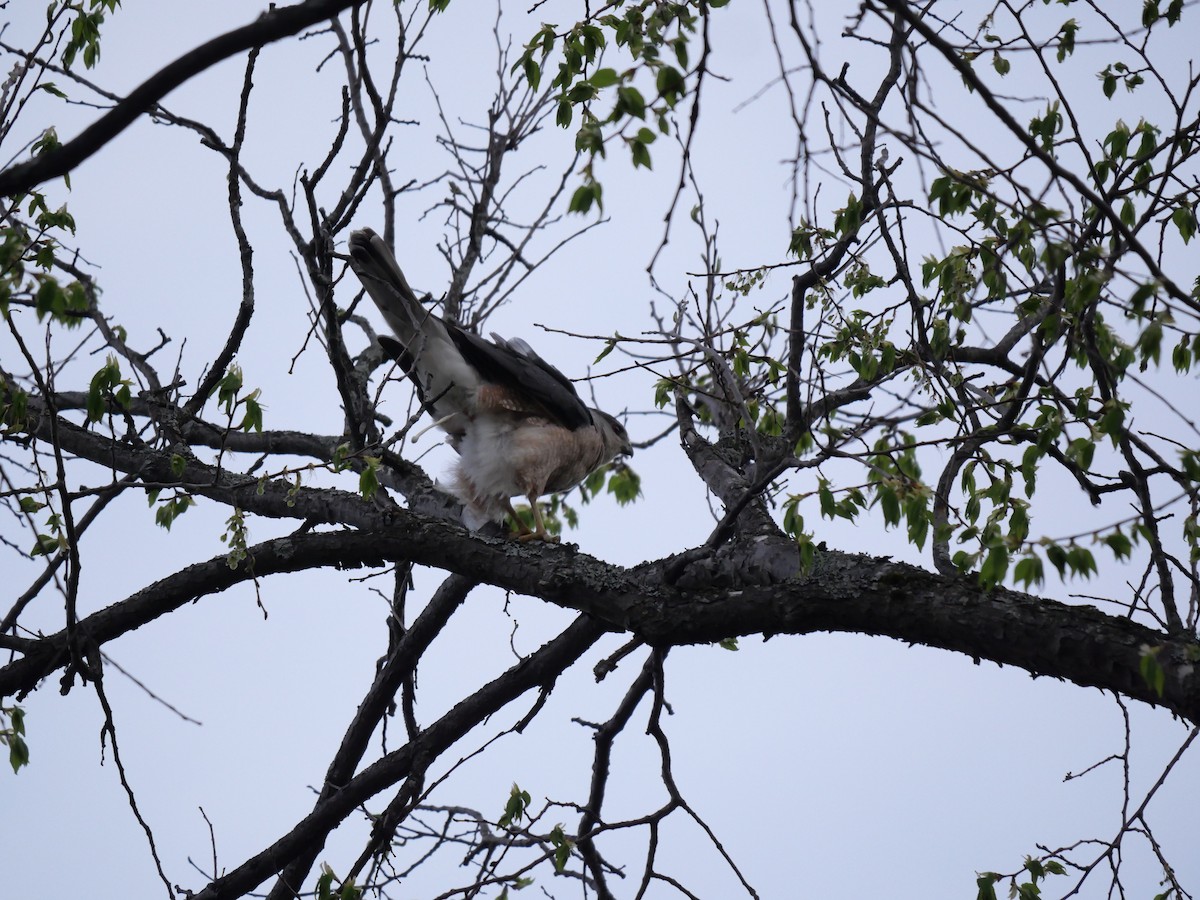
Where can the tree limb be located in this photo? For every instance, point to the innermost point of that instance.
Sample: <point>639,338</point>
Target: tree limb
<point>269,27</point>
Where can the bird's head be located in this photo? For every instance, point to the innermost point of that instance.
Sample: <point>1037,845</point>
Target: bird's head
<point>614,435</point>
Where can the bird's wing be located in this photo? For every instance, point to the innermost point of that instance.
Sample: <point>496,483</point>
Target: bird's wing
<point>614,439</point>
<point>424,347</point>
<point>530,383</point>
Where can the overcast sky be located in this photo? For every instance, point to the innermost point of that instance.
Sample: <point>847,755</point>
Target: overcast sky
<point>831,766</point>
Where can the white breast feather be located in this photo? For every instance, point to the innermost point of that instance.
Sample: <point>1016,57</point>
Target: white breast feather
<point>487,461</point>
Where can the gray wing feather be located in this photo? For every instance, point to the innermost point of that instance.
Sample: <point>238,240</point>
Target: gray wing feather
<point>426,350</point>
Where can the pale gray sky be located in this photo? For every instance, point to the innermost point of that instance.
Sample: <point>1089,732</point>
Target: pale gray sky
<point>830,766</point>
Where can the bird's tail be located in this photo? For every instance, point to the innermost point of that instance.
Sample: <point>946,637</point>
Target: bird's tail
<point>380,274</point>
<point>424,347</point>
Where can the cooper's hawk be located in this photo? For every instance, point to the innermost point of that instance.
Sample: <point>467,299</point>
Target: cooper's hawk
<point>518,424</point>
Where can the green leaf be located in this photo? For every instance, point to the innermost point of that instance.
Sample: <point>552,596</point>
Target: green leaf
<point>253,419</point>
<point>1111,420</point>
<point>581,200</point>
<point>1185,220</point>
<point>640,153</point>
<point>625,484</point>
<point>1152,670</point>
<point>1081,451</point>
<point>847,219</point>
<point>563,116</point>
<point>324,883</point>
<point>1028,571</point>
<point>994,567</point>
<point>808,553</point>
<point>1120,545</point>
<point>533,72</point>
<point>1109,83</point>
<point>730,643</point>
<point>1149,344</point>
<point>986,885</point>
<point>1189,460</point>
<point>793,522</point>
<point>1081,561</point>
<point>828,504</point>
<point>594,482</point>
<point>1181,356</point>
<point>45,545</point>
<point>46,142</point>
<point>228,387</point>
<point>515,808</point>
<point>631,102</point>
<point>603,78</point>
<point>889,502</point>
<point>1128,213</point>
<point>1066,39</point>
<point>562,848</point>
<point>18,752</point>
<point>671,84</point>
<point>581,93</point>
<point>1046,126</point>
<point>585,195</point>
<point>368,479</point>
<point>168,512</point>
<point>916,512</point>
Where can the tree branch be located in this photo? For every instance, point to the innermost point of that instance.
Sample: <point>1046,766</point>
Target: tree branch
<point>543,667</point>
<point>269,27</point>
<point>845,592</point>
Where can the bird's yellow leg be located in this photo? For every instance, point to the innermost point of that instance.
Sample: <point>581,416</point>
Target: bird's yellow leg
<point>539,533</point>
<point>522,533</point>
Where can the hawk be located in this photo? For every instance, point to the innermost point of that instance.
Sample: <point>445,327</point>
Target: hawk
<point>517,423</point>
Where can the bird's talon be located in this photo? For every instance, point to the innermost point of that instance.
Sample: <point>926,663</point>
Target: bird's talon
<point>538,536</point>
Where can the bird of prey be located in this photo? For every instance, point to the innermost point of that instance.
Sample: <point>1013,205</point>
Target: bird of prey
<point>517,423</point>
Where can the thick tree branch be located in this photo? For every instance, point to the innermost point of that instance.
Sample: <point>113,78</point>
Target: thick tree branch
<point>845,592</point>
